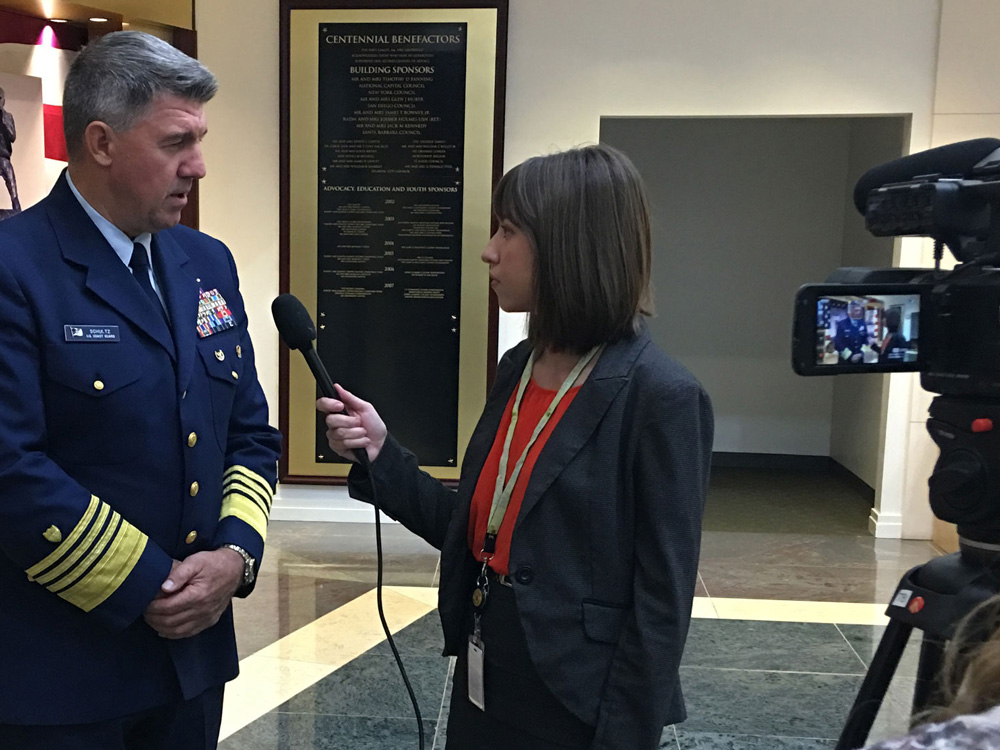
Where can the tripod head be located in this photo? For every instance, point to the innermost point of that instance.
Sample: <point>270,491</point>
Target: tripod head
<point>965,484</point>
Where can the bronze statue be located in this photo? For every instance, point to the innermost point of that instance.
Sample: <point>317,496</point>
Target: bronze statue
<point>7,137</point>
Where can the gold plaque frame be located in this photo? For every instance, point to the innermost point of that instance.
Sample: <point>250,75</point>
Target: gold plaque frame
<point>483,160</point>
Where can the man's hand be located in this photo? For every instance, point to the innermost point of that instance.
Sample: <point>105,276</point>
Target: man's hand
<point>196,593</point>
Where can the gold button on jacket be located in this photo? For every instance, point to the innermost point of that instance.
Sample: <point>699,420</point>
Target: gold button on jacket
<point>192,439</point>
<point>191,537</point>
<point>194,489</point>
<point>98,385</point>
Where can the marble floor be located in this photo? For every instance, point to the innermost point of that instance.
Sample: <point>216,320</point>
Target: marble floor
<point>788,613</point>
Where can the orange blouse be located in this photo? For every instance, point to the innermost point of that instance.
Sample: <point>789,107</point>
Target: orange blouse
<point>533,405</point>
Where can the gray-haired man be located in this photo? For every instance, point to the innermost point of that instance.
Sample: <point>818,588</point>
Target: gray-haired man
<point>137,466</point>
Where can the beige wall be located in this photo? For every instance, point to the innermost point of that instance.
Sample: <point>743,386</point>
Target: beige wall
<point>238,41</point>
<point>572,61</point>
<point>859,403</point>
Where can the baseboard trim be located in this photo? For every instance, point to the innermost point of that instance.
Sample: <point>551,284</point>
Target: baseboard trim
<point>885,525</point>
<point>321,504</point>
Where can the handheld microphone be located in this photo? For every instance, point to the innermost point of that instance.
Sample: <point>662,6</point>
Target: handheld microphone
<point>952,160</point>
<point>298,332</point>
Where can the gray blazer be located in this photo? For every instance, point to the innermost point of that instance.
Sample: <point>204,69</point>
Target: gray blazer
<point>604,554</point>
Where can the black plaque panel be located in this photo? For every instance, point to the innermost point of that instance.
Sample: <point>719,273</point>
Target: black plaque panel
<point>391,150</point>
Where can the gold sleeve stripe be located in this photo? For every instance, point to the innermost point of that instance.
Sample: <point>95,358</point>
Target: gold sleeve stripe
<point>236,484</point>
<point>94,560</point>
<point>241,507</point>
<point>72,562</point>
<point>96,552</point>
<point>237,490</point>
<point>69,543</point>
<point>252,480</point>
<point>110,571</point>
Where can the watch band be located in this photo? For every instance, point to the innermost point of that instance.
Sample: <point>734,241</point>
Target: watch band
<point>249,574</point>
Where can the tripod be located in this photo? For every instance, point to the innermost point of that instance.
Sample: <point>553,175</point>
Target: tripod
<point>936,596</point>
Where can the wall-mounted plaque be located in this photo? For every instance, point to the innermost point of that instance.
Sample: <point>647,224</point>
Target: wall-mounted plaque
<point>391,145</point>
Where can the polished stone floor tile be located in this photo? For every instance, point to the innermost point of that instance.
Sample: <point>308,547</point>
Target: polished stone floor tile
<point>716,741</point>
<point>784,501</point>
<point>311,569</point>
<point>283,603</point>
<point>865,640</point>
<point>372,686</point>
<point>290,731</point>
<point>783,610</point>
<point>831,551</point>
<point>899,696</point>
<point>785,646</point>
<point>699,588</point>
<point>293,664</point>
<point>771,665</point>
<point>353,629</point>
<point>441,736</point>
<point>811,583</point>
<point>767,703</point>
<point>668,739</point>
<point>423,638</point>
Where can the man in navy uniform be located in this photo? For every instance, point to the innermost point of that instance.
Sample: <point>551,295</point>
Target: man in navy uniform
<point>137,466</point>
<point>852,335</point>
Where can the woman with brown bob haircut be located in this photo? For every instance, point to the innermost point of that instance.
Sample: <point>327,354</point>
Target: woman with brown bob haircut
<point>569,551</point>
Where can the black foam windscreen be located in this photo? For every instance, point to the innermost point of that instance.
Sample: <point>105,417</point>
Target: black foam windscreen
<point>293,322</point>
<point>953,160</point>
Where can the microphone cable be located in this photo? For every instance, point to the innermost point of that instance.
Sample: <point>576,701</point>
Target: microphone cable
<point>381,610</point>
<point>295,327</point>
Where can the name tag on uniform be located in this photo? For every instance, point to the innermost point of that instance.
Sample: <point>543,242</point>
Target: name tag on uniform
<point>91,333</point>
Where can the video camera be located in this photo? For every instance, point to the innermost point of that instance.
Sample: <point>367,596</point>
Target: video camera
<point>944,324</point>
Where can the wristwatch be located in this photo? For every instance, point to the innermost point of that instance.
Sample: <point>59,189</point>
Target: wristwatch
<point>249,569</point>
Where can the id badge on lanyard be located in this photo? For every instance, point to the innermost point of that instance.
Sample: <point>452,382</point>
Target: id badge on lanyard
<point>501,499</point>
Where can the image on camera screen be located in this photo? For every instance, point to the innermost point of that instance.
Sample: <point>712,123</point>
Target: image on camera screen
<point>875,330</point>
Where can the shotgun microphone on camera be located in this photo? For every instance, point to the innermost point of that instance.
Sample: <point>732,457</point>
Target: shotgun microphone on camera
<point>954,160</point>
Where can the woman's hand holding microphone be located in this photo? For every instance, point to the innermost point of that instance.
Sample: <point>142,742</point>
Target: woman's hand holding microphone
<point>362,427</point>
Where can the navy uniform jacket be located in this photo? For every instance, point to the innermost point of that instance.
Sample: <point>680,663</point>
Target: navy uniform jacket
<point>850,335</point>
<point>604,555</point>
<point>116,456</point>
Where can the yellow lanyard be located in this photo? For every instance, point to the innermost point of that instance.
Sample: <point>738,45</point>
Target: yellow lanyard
<point>504,489</point>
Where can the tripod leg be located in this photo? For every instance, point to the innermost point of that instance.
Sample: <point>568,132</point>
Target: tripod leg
<point>876,682</point>
<point>928,669</point>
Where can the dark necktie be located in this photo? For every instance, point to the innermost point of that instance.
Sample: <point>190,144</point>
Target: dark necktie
<point>139,263</point>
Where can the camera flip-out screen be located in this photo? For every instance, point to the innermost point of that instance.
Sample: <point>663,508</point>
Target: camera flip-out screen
<point>859,328</point>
